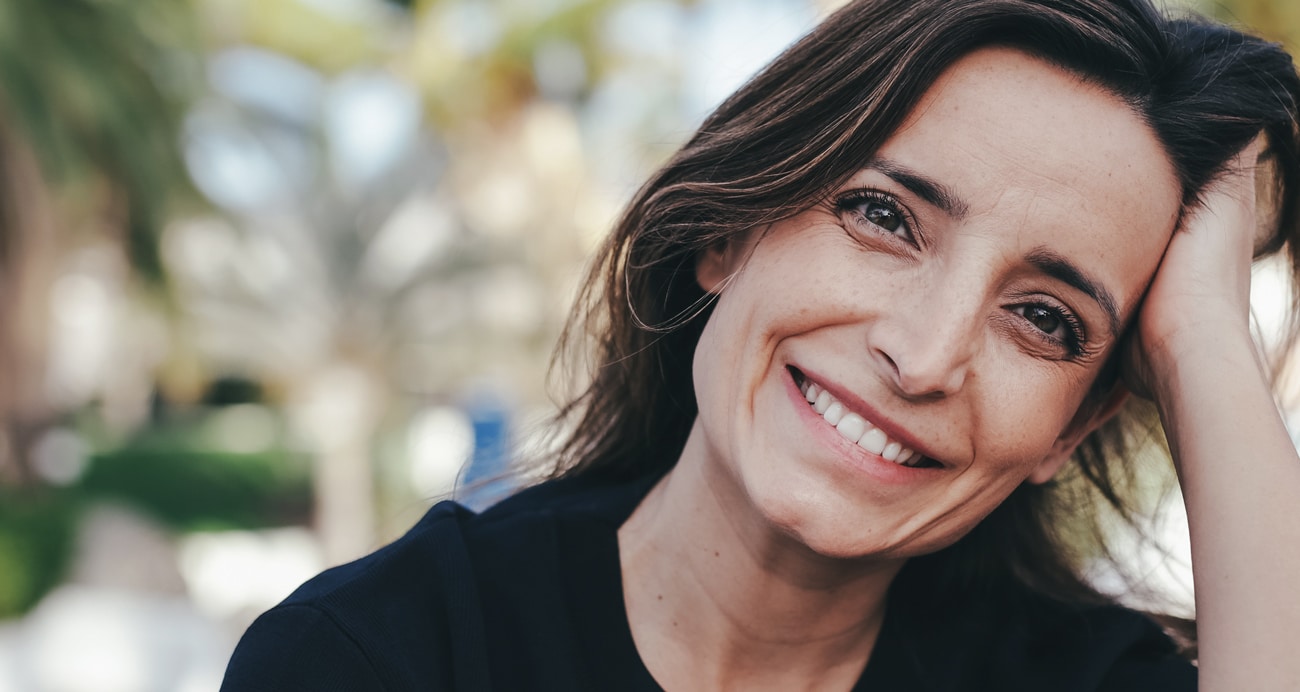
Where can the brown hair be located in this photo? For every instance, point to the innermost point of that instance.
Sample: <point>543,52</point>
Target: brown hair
<point>805,124</point>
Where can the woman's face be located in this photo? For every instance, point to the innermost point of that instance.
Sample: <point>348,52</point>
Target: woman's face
<point>958,296</point>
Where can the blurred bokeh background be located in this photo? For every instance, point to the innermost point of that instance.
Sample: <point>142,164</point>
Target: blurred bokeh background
<point>277,274</point>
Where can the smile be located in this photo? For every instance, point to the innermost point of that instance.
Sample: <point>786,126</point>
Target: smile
<point>857,429</point>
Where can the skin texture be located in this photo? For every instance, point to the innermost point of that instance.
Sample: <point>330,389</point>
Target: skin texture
<point>762,560</point>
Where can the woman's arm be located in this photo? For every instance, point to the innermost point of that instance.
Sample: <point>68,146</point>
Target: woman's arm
<point>1238,468</point>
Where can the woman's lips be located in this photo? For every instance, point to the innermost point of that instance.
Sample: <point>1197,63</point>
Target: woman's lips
<point>857,428</point>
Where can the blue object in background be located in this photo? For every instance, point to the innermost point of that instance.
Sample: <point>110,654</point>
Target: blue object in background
<point>487,477</point>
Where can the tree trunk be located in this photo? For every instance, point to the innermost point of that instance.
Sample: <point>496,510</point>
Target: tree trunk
<point>28,258</point>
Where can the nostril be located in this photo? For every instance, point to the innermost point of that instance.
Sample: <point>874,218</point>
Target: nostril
<point>916,376</point>
<point>895,375</point>
<point>889,360</point>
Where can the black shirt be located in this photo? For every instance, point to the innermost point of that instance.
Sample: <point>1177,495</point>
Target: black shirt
<point>528,596</point>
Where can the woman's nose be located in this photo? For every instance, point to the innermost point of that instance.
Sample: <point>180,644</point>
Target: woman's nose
<point>926,345</point>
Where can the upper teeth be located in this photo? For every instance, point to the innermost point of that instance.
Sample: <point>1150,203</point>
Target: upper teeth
<point>855,428</point>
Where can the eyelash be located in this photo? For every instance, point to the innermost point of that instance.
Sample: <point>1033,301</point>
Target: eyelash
<point>1075,337</point>
<point>851,202</point>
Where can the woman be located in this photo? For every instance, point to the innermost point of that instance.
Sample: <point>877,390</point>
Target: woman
<point>846,339</point>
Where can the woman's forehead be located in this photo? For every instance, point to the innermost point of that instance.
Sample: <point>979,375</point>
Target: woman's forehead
<point>1045,157</point>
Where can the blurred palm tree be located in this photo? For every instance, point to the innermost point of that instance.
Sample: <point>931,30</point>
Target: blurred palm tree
<point>92,94</point>
<point>416,192</point>
<point>414,219</point>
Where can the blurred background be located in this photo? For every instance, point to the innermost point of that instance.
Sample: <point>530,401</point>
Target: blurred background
<point>275,275</point>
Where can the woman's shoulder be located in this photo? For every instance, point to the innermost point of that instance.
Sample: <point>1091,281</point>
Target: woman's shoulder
<point>357,625</point>
<point>383,616</point>
<point>437,550</point>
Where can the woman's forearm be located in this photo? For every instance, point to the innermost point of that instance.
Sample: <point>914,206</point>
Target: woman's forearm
<point>1240,478</point>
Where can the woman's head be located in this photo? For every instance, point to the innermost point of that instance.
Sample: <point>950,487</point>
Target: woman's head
<point>959,294</point>
<point>812,121</point>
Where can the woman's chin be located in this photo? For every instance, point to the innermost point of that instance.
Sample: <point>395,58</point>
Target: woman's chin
<point>831,527</point>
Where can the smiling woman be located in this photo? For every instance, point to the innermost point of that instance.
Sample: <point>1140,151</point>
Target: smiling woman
<point>960,326</point>
<point>857,341</point>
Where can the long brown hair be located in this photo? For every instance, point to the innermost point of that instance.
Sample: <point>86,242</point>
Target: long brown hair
<point>805,124</point>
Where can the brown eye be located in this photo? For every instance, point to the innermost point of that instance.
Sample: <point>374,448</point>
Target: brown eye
<point>871,211</point>
<point>1055,325</point>
<point>883,216</point>
<point>1046,320</point>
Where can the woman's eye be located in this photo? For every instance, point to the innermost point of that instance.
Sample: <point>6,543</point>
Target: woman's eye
<point>883,216</point>
<point>878,210</point>
<point>1056,325</point>
<point>1049,321</point>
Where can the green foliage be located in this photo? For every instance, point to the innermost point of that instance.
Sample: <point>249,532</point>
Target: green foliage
<point>36,535</point>
<point>98,88</point>
<point>173,473</point>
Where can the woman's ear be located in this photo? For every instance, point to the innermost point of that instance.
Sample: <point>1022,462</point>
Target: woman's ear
<point>715,265</point>
<point>1091,415</point>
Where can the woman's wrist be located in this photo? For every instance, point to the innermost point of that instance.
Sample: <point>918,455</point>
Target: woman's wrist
<point>1206,351</point>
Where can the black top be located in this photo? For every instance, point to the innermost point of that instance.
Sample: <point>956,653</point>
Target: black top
<point>528,596</point>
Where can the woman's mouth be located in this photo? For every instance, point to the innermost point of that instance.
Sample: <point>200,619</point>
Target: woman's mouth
<point>855,428</point>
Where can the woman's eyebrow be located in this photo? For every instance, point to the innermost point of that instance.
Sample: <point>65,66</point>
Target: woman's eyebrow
<point>928,189</point>
<point>1064,270</point>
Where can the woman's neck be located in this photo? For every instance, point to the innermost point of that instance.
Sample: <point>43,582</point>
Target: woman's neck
<point>718,598</point>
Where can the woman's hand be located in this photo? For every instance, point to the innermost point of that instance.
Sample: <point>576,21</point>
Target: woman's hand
<point>1237,465</point>
<point>1202,290</point>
